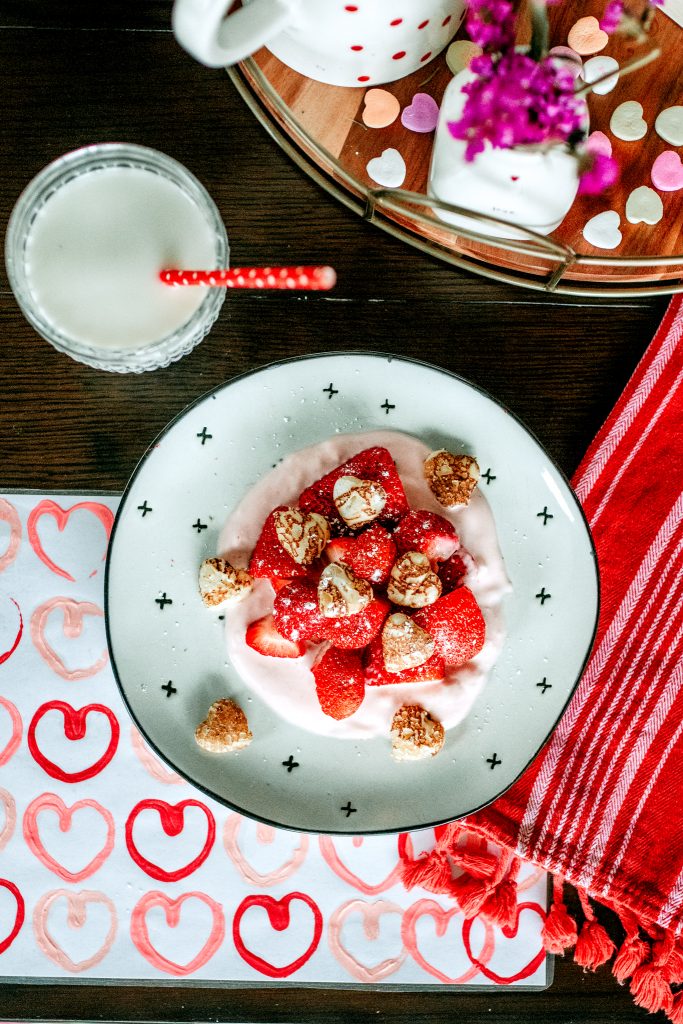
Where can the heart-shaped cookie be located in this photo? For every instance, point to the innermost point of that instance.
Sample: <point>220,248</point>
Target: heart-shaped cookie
<point>279,919</point>
<point>460,54</point>
<point>388,170</point>
<point>77,903</point>
<point>422,115</point>
<point>667,172</point>
<point>303,535</point>
<point>357,501</point>
<point>669,125</point>
<point>172,818</point>
<point>139,931</point>
<point>52,802</point>
<point>404,643</point>
<point>603,231</point>
<point>225,728</point>
<point>371,914</point>
<point>627,121</point>
<point>586,36</point>
<point>413,583</point>
<point>644,206</point>
<point>598,67</point>
<point>598,142</point>
<point>381,108</point>
<point>341,593</point>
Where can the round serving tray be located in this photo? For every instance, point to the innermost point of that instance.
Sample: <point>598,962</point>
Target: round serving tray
<point>320,127</point>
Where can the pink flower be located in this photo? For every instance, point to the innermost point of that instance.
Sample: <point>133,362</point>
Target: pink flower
<point>491,24</point>
<point>601,172</point>
<point>611,16</point>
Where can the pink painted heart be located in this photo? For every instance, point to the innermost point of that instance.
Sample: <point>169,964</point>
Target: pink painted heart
<point>442,919</point>
<point>77,903</point>
<point>279,918</point>
<point>51,802</point>
<point>74,613</point>
<point>333,859</point>
<point>667,172</point>
<point>528,967</point>
<point>9,937</point>
<point>12,744</point>
<point>139,932</point>
<point>61,515</point>
<point>152,764</point>
<point>265,834</point>
<point>10,815</point>
<point>13,638</point>
<point>371,914</point>
<point>422,115</point>
<point>9,515</point>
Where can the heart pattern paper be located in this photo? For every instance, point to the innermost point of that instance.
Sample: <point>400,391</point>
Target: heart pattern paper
<point>112,866</point>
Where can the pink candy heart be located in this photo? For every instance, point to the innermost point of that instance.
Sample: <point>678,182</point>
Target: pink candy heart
<point>422,115</point>
<point>667,172</point>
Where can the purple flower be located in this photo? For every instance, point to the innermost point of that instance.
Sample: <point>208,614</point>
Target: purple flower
<point>491,24</point>
<point>601,172</point>
<point>611,16</point>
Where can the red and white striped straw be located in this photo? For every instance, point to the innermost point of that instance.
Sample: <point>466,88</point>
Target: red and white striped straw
<point>317,279</point>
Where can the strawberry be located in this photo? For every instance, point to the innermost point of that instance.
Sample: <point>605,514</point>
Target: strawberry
<point>452,573</point>
<point>263,637</point>
<point>296,612</point>
<point>355,631</point>
<point>339,682</point>
<point>370,464</point>
<point>270,559</point>
<point>457,625</point>
<point>370,554</point>
<point>377,675</point>
<point>428,532</point>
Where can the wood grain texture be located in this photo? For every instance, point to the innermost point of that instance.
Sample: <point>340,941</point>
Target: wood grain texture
<point>557,364</point>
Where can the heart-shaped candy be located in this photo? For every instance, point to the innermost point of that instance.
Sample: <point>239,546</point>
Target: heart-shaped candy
<point>627,121</point>
<point>422,115</point>
<point>644,206</point>
<point>603,231</point>
<point>598,142</point>
<point>598,67</point>
<point>460,53</point>
<point>381,108</point>
<point>586,36</point>
<point>667,172</point>
<point>669,125</point>
<point>389,169</point>
<point>569,59</point>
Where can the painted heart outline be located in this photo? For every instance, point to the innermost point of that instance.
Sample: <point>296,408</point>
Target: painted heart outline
<point>150,763</point>
<point>52,802</point>
<point>74,729</point>
<point>74,613</point>
<point>371,914</point>
<point>19,914</point>
<point>14,741</point>
<point>279,918</point>
<point>10,808</point>
<point>172,817</point>
<point>6,655</point>
<point>9,515</point>
<point>334,861</point>
<point>265,834</point>
<point>139,932</point>
<point>442,919</point>
<point>509,931</point>
<point>61,515</point>
<point>77,903</point>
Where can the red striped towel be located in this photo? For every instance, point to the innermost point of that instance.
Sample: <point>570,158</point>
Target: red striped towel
<point>602,805</point>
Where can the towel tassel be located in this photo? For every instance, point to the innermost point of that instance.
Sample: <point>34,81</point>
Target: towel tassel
<point>650,987</point>
<point>559,930</point>
<point>500,906</point>
<point>633,950</point>
<point>593,945</point>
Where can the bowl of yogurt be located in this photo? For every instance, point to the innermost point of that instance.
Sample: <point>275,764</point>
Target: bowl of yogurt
<point>85,244</point>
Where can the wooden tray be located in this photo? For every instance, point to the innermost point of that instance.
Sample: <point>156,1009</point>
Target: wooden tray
<point>321,129</point>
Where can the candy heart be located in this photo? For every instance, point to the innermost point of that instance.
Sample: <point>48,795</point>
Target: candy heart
<point>644,206</point>
<point>422,115</point>
<point>569,59</point>
<point>598,142</point>
<point>52,802</point>
<point>603,231</point>
<point>265,834</point>
<point>389,169</point>
<point>669,125</point>
<point>667,172</point>
<point>627,121</point>
<point>371,914</point>
<point>328,848</point>
<point>172,817</point>
<point>381,108</point>
<point>598,67</point>
<point>460,53</point>
<point>139,932</point>
<point>9,515</point>
<point>279,918</point>
<point>77,903</point>
<point>586,36</point>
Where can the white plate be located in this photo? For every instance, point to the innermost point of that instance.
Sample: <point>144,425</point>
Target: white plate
<point>169,520</point>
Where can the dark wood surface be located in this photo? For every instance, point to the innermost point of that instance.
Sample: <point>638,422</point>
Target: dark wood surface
<point>76,73</point>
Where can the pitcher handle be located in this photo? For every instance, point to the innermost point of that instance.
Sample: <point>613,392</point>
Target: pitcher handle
<point>217,37</point>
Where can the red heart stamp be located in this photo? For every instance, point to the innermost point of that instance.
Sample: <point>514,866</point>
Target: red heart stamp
<point>264,834</point>
<point>9,515</point>
<point>5,655</point>
<point>172,818</point>
<point>13,742</point>
<point>509,933</point>
<point>49,801</point>
<point>371,913</point>
<point>77,903</point>
<point>331,856</point>
<point>74,613</point>
<point>279,918</point>
<point>171,907</point>
<point>442,919</point>
<point>10,808</point>
<point>18,917</point>
<point>74,729</point>
<point>61,515</point>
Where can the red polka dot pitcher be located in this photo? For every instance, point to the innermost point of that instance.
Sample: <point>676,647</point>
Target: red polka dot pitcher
<point>364,43</point>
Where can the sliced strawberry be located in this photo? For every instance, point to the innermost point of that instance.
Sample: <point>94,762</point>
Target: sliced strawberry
<point>377,675</point>
<point>355,631</point>
<point>452,573</point>
<point>428,532</point>
<point>263,637</point>
<point>270,559</point>
<point>296,613</point>
<point>370,464</point>
<point>370,554</point>
<point>339,682</point>
<point>457,625</point>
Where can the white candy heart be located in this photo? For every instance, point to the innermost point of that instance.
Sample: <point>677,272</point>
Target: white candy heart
<point>644,206</point>
<point>603,231</point>
<point>595,68</point>
<point>627,121</point>
<point>389,169</point>
<point>460,53</point>
<point>669,125</point>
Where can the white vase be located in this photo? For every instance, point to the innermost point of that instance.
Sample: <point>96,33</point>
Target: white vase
<point>528,187</point>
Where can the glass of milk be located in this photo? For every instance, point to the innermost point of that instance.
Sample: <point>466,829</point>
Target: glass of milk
<point>84,247</point>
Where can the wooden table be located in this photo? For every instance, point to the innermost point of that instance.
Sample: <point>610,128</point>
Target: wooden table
<point>72,74</point>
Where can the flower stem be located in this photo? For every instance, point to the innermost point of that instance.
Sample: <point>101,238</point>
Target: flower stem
<point>539,30</point>
<point>634,65</point>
